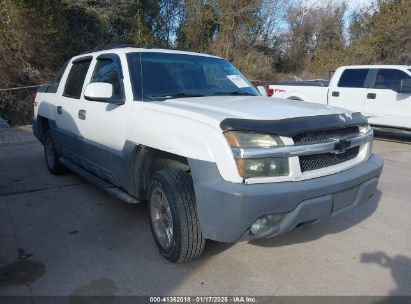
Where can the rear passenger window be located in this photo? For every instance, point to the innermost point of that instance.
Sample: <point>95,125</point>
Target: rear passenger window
<point>389,79</point>
<point>353,78</point>
<point>75,79</point>
<point>56,81</point>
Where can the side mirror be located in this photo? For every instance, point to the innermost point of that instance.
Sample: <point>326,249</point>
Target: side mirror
<point>405,86</point>
<point>262,91</point>
<point>98,91</point>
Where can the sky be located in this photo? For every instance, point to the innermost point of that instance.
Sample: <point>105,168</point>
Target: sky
<point>358,4</point>
<point>352,4</point>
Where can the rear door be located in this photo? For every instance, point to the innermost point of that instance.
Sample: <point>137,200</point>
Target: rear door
<point>383,105</point>
<point>67,132</point>
<point>350,91</point>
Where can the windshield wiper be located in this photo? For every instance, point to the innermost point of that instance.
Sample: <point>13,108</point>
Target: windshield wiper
<point>177,95</point>
<point>235,93</point>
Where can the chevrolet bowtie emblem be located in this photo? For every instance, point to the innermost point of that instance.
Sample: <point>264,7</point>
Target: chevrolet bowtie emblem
<point>341,146</point>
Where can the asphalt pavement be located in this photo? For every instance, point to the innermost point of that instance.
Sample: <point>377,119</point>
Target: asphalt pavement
<point>64,236</point>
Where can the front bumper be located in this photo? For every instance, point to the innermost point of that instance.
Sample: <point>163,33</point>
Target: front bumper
<point>227,210</point>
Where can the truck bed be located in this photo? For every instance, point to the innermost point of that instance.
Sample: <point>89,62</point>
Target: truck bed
<point>310,83</point>
<point>310,91</point>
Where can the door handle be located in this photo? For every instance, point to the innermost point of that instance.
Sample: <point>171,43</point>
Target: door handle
<point>82,114</point>
<point>59,110</point>
<point>335,94</point>
<point>371,95</point>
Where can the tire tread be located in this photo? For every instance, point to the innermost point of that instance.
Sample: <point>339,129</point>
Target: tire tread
<point>57,168</point>
<point>192,241</point>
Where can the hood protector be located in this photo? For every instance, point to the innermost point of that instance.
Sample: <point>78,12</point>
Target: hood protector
<point>293,126</point>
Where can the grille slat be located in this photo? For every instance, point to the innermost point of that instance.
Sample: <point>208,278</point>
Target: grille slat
<point>319,161</point>
<point>323,135</point>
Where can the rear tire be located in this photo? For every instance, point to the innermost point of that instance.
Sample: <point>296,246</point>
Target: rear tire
<point>173,216</point>
<point>51,156</point>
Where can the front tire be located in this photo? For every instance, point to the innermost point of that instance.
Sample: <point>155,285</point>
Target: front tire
<point>51,156</point>
<point>173,216</point>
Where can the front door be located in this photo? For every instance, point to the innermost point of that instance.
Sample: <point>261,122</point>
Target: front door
<point>104,123</point>
<point>383,105</point>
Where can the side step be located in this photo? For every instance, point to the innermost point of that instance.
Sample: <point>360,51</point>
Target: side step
<point>392,133</point>
<point>110,188</point>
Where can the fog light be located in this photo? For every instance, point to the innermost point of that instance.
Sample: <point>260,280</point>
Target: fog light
<point>265,223</point>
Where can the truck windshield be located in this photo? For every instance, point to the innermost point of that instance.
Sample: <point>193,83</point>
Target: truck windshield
<point>161,76</point>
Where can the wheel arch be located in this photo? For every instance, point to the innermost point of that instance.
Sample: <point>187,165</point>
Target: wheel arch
<point>43,125</point>
<point>295,98</point>
<point>146,161</point>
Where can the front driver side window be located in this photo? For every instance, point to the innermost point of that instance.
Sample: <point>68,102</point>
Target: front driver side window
<point>106,71</point>
<point>389,79</point>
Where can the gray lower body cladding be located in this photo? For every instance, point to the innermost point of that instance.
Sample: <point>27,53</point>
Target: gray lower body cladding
<point>108,164</point>
<point>36,132</point>
<point>227,210</point>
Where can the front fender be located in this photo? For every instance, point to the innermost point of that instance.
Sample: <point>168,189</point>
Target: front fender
<point>185,137</point>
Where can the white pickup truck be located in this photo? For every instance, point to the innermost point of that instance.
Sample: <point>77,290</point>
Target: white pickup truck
<point>189,135</point>
<point>381,92</point>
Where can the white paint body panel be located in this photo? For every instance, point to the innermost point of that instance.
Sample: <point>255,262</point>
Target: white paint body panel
<point>389,108</point>
<point>303,93</point>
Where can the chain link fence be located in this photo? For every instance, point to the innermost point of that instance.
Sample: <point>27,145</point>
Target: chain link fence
<point>16,106</point>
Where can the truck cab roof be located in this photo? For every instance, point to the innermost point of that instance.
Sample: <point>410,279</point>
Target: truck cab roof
<point>124,49</point>
<point>376,66</point>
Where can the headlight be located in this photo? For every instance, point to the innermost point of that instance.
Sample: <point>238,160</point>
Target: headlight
<point>365,128</point>
<point>251,140</point>
<point>369,148</point>
<point>264,167</point>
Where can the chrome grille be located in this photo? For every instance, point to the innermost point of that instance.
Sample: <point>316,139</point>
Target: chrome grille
<point>324,135</point>
<point>319,161</point>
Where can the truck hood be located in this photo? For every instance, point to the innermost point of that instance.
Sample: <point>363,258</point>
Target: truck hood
<point>213,110</point>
